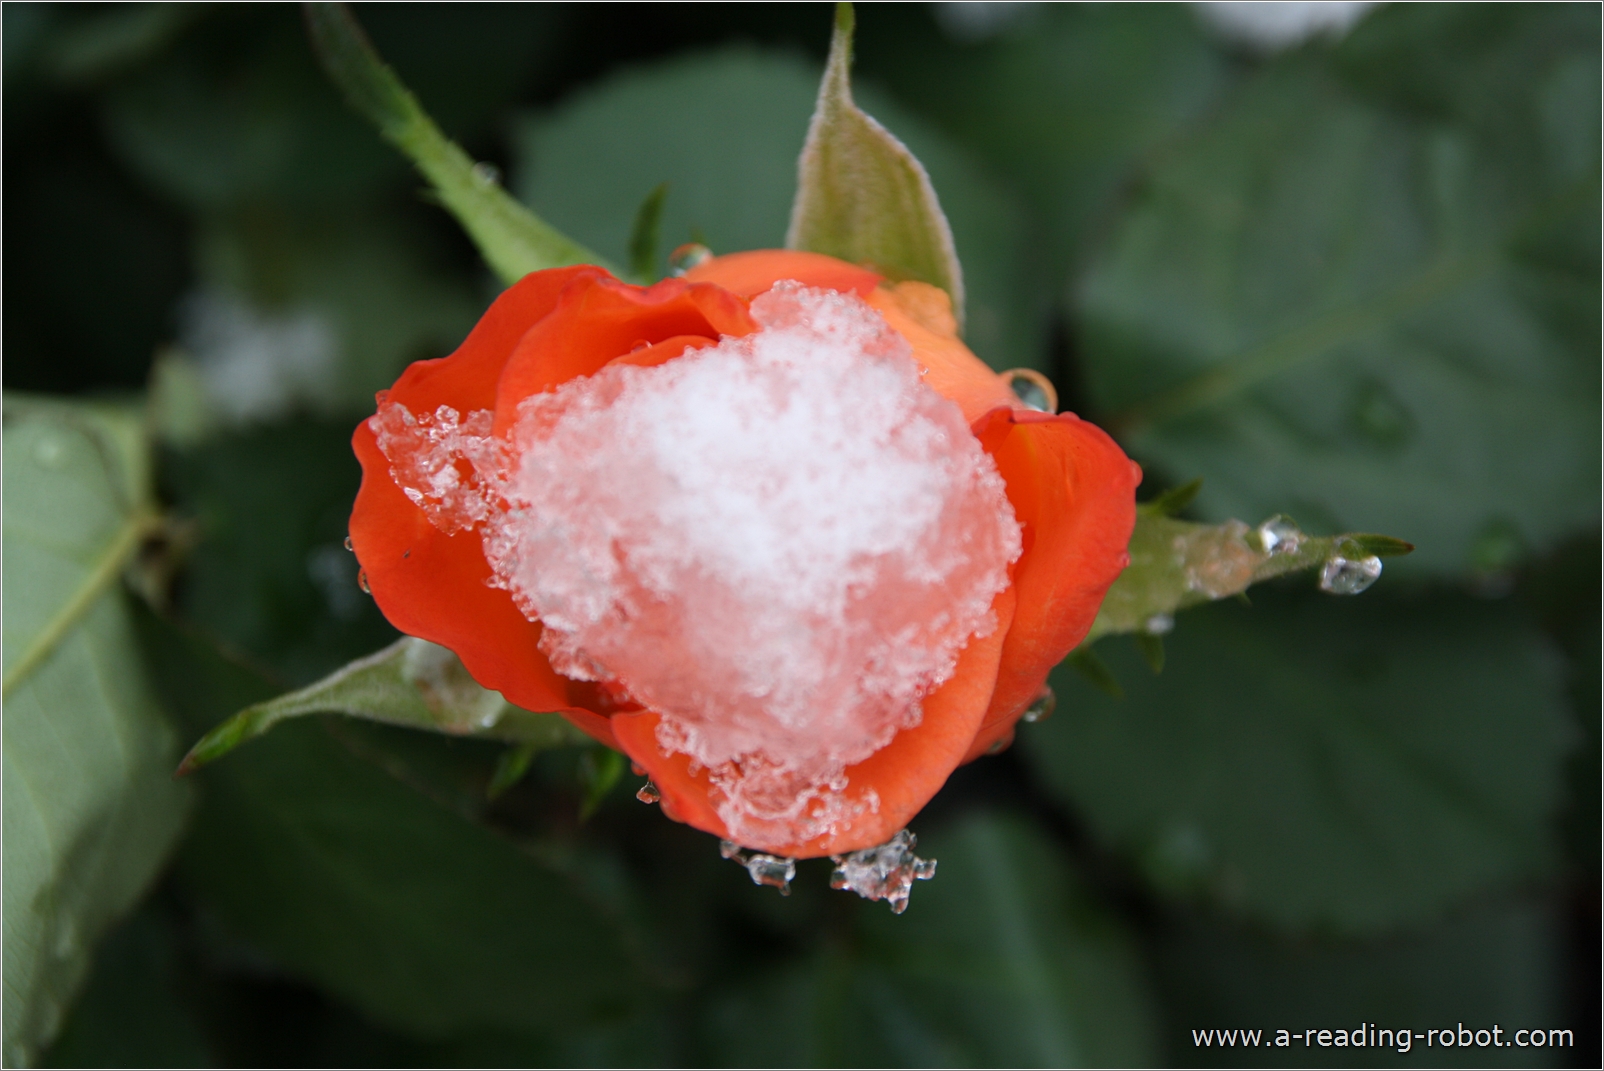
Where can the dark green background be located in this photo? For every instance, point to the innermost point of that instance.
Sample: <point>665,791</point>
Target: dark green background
<point>1358,283</point>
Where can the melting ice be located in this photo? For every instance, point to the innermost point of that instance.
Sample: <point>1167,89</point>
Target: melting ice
<point>777,871</point>
<point>780,542</point>
<point>886,872</point>
<point>1343,576</point>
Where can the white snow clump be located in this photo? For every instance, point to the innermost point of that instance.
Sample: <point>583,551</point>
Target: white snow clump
<point>780,543</point>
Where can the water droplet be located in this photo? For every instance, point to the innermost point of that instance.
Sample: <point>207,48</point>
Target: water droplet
<point>1000,745</point>
<point>48,451</point>
<point>764,869</point>
<point>362,581</point>
<point>348,545</point>
<point>486,174</point>
<point>648,793</point>
<point>688,256</point>
<point>772,870</point>
<point>1033,389</point>
<point>1159,625</point>
<point>886,872</point>
<point>1344,576</point>
<point>1280,535</point>
<point>1042,708</point>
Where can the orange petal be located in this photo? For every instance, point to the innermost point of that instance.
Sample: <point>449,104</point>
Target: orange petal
<point>753,273</point>
<point>953,371</point>
<point>466,380</point>
<point>598,319</point>
<point>903,775</point>
<point>662,352</point>
<point>1074,492</point>
<point>434,586</point>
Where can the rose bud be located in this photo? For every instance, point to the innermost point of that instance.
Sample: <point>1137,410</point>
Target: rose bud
<point>769,528</point>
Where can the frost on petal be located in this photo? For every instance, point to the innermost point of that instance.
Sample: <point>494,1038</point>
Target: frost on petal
<point>445,465</point>
<point>781,543</point>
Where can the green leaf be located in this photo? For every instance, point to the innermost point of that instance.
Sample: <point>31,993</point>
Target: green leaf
<point>513,240</point>
<point>412,683</point>
<point>315,310</point>
<point>133,1012</point>
<point>90,812</point>
<point>722,129</point>
<point>271,578</point>
<point>1176,564</point>
<point>1492,964</point>
<point>427,922</point>
<point>105,44</point>
<point>861,195</point>
<point>1067,103</point>
<point>1348,765</point>
<point>1332,303</point>
<point>1003,959</point>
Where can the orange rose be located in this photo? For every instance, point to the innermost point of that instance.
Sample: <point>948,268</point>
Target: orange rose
<point>428,518</point>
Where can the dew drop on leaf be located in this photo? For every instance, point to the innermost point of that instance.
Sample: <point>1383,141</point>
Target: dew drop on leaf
<point>1280,535</point>
<point>1344,576</point>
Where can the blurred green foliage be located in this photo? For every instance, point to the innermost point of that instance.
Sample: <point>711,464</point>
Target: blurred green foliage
<point>1357,281</point>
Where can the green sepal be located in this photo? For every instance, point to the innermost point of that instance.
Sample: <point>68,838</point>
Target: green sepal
<point>645,237</point>
<point>510,768</point>
<point>1151,645</point>
<point>411,683</point>
<point>599,770</point>
<point>1365,543</point>
<point>513,240</point>
<point>1176,564</point>
<point>1085,661</point>
<point>861,195</point>
<point>1172,501</point>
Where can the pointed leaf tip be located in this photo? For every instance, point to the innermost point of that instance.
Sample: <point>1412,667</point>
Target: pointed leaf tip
<point>645,236</point>
<point>1380,545</point>
<point>861,195</point>
<point>512,239</point>
<point>1169,503</point>
<point>411,683</point>
<point>1176,564</point>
